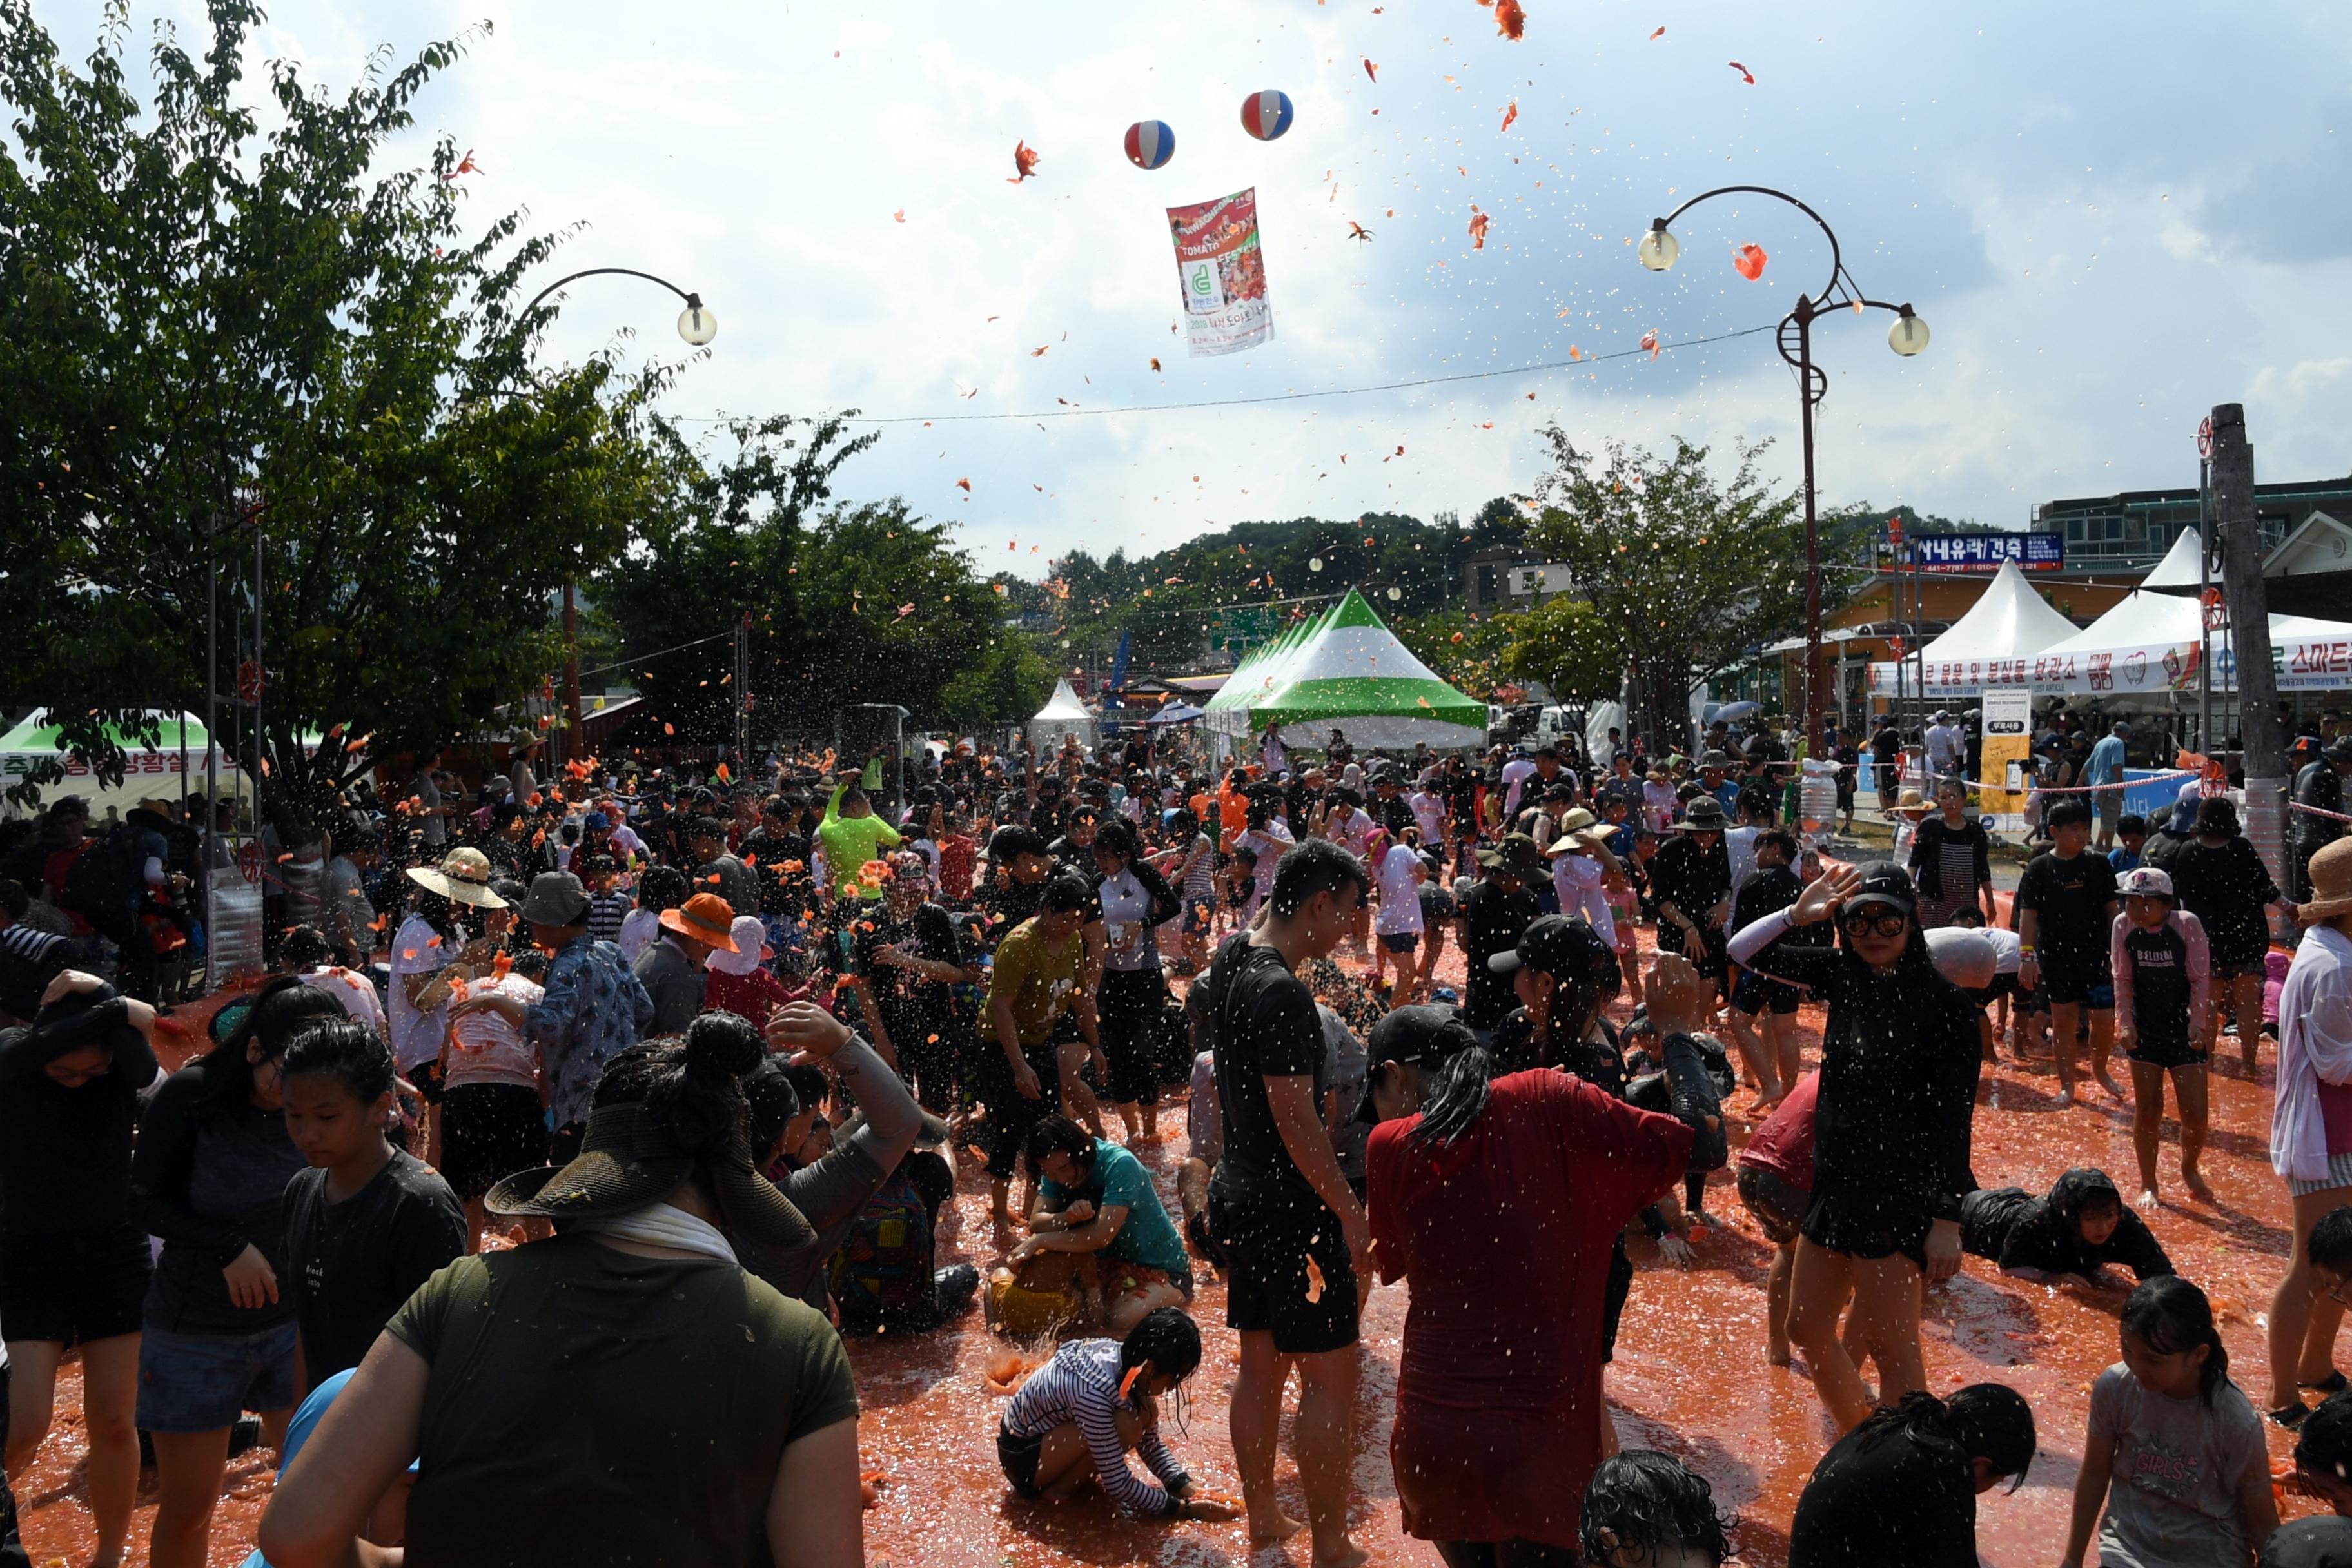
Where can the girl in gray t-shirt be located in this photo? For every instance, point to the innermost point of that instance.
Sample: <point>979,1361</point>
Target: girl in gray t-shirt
<point>2174,1451</point>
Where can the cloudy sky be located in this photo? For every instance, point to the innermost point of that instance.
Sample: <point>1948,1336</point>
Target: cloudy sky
<point>2111,218</point>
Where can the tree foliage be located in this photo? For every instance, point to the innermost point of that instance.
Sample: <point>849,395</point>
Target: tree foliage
<point>847,604</point>
<point>1676,575</point>
<point>209,330</point>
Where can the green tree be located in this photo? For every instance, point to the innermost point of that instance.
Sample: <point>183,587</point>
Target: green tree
<point>847,604</point>
<point>1674,574</point>
<point>208,333</point>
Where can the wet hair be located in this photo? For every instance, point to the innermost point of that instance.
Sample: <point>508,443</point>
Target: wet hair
<point>2217,816</point>
<point>2322,1443</point>
<point>1782,836</point>
<point>1064,894</point>
<point>278,1011</point>
<point>2072,812</point>
<point>1184,822</point>
<point>1641,1500</point>
<point>1118,837</point>
<point>661,889</point>
<point>2129,822</point>
<point>1055,1133</point>
<point>691,1084</point>
<point>1317,866</point>
<point>773,1102</point>
<point>1245,857</point>
<point>346,1050</point>
<point>2171,1316</point>
<point>597,865</point>
<point>2330,1246</point>
<point>304,947</point>
<point>14,899</point>
<point>1988,1421</point>
<point>1457,1098</point>
<point>1967,915</point>
<point>1166,1338</point>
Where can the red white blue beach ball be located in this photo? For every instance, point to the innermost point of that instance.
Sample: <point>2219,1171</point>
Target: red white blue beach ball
<point>1266,115</point>
<point>1150,144</point>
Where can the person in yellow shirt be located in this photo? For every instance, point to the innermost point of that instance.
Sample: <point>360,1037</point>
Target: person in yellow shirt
<point>852,835</point>
<point>1038,1008</point>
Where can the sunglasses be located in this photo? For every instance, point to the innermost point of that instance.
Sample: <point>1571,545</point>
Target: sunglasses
<point>1860,923</point>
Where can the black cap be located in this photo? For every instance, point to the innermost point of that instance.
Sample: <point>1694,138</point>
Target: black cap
<point>1884,882</point>
<point>1424,1035</point>
<point>1560,946</point>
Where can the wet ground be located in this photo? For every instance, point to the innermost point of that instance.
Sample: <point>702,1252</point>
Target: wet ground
<point>1690,1374</point>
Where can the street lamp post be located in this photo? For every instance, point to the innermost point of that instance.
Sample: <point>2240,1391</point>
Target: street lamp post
<point>1658,251</point>
<point>697,326</point>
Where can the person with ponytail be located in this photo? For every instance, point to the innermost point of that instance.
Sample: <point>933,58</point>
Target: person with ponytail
<point>2174,1452</point>
<point>1903,1485</point>
<point>1132,994</point>
<point>623,1391</point>
<point>1501,1199</point>
<point>209,1177</point>
<point>1892,1121</point>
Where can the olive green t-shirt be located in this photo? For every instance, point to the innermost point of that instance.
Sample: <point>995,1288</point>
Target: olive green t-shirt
<point>1035,979</point>
<point>591,1406</point>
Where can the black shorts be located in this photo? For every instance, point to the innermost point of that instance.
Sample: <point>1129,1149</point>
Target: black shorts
<point>430,1080</point>
<point>489,1131</point>
<point>1019,1456</point>
<point>2002,985</point>
<point>1615,1287</point>
<point>1128,1010</point>
<point>1755,993</point>
<point>1856,1226</point>
<point>1267,1283</point>
<point>2171,1054</point>
<point>2253,968</point>
<point>1777,1204</point>
<point>72,1290</point>
<point>1011,1113</point>
<point>2068,982</point>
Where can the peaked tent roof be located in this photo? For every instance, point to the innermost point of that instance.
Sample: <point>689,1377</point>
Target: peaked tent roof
<point>1063,714</point>
<point>1259,673</point>
<point>2151,642</point>
<point>1353,674</point>
<point>2009,620</point>
<point>2177,573</point>
<point>37,733</point>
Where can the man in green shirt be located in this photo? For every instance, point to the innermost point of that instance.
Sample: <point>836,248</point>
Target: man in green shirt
<point>1038,1008</point>
<point>852,835</point>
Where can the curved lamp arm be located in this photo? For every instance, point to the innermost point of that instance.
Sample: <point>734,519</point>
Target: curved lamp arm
<point>1837,263</point>
<point>693,301</point>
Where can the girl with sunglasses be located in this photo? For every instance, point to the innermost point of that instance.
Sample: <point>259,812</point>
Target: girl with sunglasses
<point>1898,1083</point>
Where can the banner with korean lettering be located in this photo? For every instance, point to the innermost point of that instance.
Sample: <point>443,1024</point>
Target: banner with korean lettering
<point>1943,553</point>
<point>2007,754</point>
<point>1223,274</point>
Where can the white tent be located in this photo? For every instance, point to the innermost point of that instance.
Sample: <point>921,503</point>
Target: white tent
<point>1063,714</point>
<point>2150,643</point>
<point>2177,573</point>
<point>147,775</point>
<point>1992,645</point>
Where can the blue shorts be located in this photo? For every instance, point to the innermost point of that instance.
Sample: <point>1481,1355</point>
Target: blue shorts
<point>203,1382</point>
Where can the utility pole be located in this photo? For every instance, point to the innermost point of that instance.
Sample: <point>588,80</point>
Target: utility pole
<point>743,694</point>
<point>2249,637</point>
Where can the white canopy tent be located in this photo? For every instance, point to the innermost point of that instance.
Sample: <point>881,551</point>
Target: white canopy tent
<point>2151,643</point>
<point>1992,645</point>
<point>1063,714</point>
<point>148,774</point>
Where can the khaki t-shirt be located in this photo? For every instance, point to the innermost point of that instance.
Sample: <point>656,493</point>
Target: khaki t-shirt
<point>1035,979</point>
<point>590,1406</point>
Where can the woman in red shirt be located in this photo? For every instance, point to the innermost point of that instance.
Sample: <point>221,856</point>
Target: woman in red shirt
<point>740,982</point>
<point>1500,1200</point>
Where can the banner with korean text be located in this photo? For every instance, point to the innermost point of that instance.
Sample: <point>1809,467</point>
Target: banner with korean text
<point>1224,275</point>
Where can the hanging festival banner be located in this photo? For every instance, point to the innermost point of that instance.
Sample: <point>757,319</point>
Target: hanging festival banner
<point>1224,275</point>
<point>2007,752</point>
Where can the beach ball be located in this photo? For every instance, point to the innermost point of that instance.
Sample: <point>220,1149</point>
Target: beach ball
<point>1266,115</point>
<point>1150,144</point>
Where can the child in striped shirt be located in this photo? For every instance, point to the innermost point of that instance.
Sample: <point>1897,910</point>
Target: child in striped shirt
<point>1078,1414</point>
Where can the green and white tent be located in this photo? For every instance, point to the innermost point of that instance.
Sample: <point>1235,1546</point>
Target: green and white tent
<point>1350,673</point>
<point>148,774</point>
<point>1259,672</point>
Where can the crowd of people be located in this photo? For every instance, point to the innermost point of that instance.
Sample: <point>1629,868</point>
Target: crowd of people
<point>531,1192</point>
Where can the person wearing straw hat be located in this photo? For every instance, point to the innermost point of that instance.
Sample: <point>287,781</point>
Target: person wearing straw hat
<point>2311,1128</point>
<point>671,968</point>
<point>438,947</point>
<point>624,1391</point>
